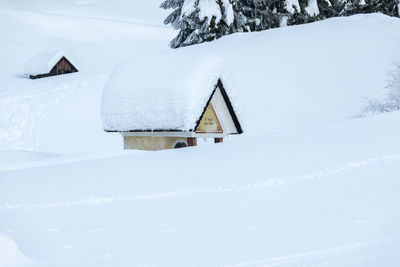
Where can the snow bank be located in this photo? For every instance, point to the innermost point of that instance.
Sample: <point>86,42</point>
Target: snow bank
<point>324,196</point>
<point>42,63</point>
<point>162,91</point>
<point>15,156</point>
<point>10,254</point>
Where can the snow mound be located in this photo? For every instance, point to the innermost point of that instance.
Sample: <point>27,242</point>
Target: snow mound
<point>162,91</point>
<point>42,63</point>
<point>10,254</point>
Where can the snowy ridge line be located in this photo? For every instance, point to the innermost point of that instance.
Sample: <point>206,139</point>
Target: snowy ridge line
<point>45,13</point>
<point>326,252</point>
<point>211,190</point>
<point>350,166</point>
<point>58,160</point>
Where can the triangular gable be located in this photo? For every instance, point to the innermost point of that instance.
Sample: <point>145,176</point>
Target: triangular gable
<point>218,115</point>
<point>43,63</point>
<point>70,67</point>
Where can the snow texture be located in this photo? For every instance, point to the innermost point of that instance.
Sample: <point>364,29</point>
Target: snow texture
<point>42,63</point>
<point>10,255</point>
<point>162,91</point>
<point>325,196</point>
<point>7,156</point>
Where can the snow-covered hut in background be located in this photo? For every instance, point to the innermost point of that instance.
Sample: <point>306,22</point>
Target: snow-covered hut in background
<point>49,64</point>
<point>166,101</point>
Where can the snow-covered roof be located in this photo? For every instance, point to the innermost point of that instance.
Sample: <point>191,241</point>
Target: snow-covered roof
<point>42,63</point>
<point>166,91</point>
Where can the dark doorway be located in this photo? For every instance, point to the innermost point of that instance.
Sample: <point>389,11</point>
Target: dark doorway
<point>180,144</point>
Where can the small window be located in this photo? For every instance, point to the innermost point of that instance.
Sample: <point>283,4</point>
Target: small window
<point>180,144</point>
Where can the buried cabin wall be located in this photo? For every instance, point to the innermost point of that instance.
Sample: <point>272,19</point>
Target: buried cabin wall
<point>152,143</point>
<point>64,67</point>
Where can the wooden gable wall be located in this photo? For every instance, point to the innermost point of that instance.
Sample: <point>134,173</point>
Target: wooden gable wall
<point>63,66</point>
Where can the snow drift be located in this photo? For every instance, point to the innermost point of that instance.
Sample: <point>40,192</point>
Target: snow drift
<point>10,255</point>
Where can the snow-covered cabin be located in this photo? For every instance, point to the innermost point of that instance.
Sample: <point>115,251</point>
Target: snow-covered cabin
<point>49,64</point>
<point>166,101</point>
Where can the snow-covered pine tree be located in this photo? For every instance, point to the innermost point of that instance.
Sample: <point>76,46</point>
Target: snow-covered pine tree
<point>201,20</point>
<point>266,14</point>
<point>305,11</point>
<point>351,7</point>
<point>240,20</point>
<point>205,20</point>
<point>175,15</point>
<point>261,14</point>
<point>327,8</point>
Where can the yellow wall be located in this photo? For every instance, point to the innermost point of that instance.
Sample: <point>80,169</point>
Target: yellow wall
<point>151,143</point>
<point>209,122</point>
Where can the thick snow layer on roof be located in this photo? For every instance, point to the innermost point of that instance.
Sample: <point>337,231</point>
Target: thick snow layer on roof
<point>42,63</point>
<point>162,91</point>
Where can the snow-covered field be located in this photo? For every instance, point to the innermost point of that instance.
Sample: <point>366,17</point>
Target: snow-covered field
<point>308,184</point>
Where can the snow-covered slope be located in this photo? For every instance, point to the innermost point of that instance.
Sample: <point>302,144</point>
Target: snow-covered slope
<point>146,12</point>
<point>306,185</point>
<point>10,253</point>
<point>325,196</point>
